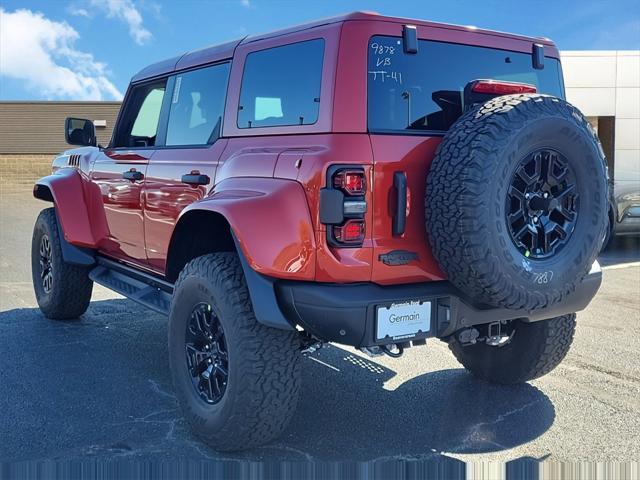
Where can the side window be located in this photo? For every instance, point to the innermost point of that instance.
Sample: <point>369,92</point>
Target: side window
<point>281,86</point>
<point>197,106</point>
<point>139,124</point>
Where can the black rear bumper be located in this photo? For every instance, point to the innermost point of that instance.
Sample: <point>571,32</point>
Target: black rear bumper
<point>346,313</point>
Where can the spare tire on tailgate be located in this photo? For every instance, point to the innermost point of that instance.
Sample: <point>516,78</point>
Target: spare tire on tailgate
<point>516,201</point>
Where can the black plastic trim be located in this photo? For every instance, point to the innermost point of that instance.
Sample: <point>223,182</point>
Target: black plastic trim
<point>331,206</point>
<point>42,192</point>
<point>400,217</point>
<point>262,294</point>
<point>141,287</point>
<point>410,39</point>
<point>345,313</point>
<point>133,272</point>
<point>73,254</point>
<point>133,175</point>
<point>195,179</point>
<point>537,56</point>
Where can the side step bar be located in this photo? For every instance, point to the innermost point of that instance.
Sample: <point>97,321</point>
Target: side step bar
<point>150,291</point>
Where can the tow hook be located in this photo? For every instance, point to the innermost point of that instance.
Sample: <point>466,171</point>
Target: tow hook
<point>495,338</point>
<point>393,350</point>
<point>311,347</point>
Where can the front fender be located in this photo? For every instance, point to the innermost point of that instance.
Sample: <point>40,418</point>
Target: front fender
<point>65,189</point>
<point>271,222</point>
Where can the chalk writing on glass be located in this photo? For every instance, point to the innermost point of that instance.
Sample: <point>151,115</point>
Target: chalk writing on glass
<point>383,61</point>
<point>384,75</point>
<point>383,49</point>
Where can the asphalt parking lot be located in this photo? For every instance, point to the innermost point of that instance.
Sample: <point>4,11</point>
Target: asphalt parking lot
<point>100,387</point>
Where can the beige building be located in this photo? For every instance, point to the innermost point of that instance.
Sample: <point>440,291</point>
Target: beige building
<point>31,133</point>
<point>605,86</point>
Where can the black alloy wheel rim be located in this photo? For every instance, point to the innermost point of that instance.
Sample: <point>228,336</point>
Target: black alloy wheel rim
<point>542,204</point>
<point>46,269</point>
<point>206,352</point>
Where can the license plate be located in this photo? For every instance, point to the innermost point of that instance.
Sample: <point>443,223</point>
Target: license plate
<point>403,320</point>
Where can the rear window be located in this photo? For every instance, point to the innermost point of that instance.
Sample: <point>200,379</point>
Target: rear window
<point>421,92</point>
<point>281,86</point>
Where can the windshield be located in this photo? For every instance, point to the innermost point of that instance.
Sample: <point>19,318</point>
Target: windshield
<point>415,93</point>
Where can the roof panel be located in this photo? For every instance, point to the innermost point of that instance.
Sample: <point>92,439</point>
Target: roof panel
<point>223,51</point>
<point>211,54</point>
<point>155,69</point>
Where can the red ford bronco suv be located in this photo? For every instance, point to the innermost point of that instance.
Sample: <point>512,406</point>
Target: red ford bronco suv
<point>364,180</point>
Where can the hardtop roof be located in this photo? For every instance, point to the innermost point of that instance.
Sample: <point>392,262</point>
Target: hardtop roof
<point>225,51</point>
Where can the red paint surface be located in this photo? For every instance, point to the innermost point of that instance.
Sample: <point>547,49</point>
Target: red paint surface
<point>270,219</point>
<point>66,186</point>
<point>266,181</point>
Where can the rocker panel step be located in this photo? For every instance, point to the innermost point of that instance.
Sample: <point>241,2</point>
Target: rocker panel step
<point>140,287</point>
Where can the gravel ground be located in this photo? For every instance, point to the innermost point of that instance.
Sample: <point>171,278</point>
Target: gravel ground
<point>100,387</point>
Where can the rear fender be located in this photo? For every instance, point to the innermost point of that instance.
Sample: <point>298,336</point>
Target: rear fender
<point>65,189</point>
<point>270,221</point>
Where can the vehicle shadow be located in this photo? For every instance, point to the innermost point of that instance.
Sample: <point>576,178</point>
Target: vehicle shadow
<point>445,411</point>
<point>621,249</point>
<point>100,387</point>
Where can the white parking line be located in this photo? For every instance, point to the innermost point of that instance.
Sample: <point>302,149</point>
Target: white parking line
<point>621,265</point>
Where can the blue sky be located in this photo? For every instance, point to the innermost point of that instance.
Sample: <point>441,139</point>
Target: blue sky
<point>88,49</point>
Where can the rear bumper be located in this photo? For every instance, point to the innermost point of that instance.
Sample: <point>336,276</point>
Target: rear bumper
<point>346,313</point>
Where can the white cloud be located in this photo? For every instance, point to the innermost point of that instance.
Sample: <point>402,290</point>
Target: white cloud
<point>126,11</point>
<point>245,3</point>
<point>41,52</point>
<point>79,12</point>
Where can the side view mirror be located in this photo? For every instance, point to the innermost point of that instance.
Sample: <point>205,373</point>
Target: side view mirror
<point>80,131</point>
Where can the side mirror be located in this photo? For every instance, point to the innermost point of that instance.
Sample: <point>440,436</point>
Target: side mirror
<point>80,131</point>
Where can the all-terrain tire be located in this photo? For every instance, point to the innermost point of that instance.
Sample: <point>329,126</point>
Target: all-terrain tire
<point>466,201</point>
<point>534,350</point>
<point>263,384</point>
<point>68,288</point>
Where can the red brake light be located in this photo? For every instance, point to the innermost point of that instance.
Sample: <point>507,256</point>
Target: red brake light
<point>351,181</point>
<point>351,232</point>
<point>495,87</point>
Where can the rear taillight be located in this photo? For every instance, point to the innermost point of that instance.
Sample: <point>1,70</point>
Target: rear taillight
<point>343,206</point>
<point>352,232</point>
<point>495,87</point>
<point>352,182</point>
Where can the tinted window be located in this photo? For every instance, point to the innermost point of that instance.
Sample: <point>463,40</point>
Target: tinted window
<point>423,91</point>
<point>138,126</point>
<point>146,122</point>
<point>281,86</point>
<point>197,106</point>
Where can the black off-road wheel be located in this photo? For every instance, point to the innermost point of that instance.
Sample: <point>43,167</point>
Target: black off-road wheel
<point>238,381</point>
<point>533,351</point>
<point>516,201</point>
<point>63,290</point>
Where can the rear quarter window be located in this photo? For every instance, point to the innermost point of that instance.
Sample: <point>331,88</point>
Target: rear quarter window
<point>414,93</point>
<point>281,86</point>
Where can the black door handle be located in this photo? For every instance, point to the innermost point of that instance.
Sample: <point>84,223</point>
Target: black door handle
<point>132,175</point>
<point>400,218</point>
<point>195,178</point>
